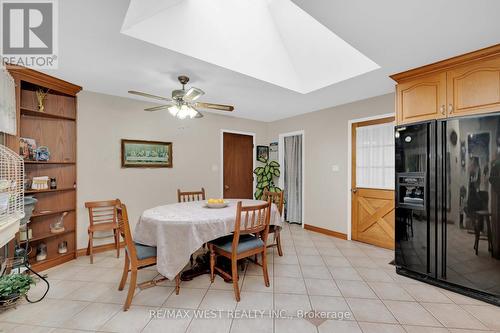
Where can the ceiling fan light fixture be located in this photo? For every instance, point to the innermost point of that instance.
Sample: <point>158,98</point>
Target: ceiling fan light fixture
<point>174,109</point>
<point>182,112</point>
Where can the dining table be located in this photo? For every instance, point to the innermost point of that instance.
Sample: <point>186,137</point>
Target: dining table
<point>178,230</point>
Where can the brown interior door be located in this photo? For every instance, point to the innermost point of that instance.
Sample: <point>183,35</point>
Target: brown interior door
<point>238,166</point>
<point>372,207</point>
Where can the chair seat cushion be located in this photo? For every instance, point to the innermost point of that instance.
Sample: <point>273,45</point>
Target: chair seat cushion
<point>144,251</point>
<point>247,242</point>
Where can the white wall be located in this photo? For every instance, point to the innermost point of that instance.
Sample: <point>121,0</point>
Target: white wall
<point>104,120</point>
<point>326,144</point>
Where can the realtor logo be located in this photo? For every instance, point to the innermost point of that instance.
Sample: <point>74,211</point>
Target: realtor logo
<point>29,33</point>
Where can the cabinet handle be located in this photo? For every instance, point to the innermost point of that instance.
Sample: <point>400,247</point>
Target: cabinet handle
<point>443,110</point>
<point>450,108</point>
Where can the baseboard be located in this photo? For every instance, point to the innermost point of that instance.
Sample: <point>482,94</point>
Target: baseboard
<point>325,231</point>
<point>99,248</point>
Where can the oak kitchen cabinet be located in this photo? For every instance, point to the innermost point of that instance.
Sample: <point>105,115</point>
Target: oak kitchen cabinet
<point>463,85</point>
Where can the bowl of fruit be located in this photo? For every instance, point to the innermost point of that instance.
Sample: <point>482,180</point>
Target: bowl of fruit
<point>216,203</point>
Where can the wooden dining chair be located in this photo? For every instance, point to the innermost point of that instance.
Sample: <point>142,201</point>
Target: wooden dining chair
<point>277,199</point>
<point>102,218</point>
<point>137,256</point>
<point>249,238</point>
<point>190,196</point>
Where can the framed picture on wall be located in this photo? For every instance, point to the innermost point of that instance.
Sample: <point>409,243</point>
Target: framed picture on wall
<point>146,154</point>
<point>262,153</point>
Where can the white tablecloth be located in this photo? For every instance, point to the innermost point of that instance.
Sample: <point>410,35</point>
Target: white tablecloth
<point>178,230</point>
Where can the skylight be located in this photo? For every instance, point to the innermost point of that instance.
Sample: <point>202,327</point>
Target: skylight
<point>271,40</point>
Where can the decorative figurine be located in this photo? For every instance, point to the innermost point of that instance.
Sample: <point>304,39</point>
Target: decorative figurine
<point>62,247</point>
<point>58,226</point>
<point>41,252</point>
<point>42,153</point>
<point>41,96</point>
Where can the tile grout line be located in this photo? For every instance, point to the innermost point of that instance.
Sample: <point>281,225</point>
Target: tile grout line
<point>304,281</point>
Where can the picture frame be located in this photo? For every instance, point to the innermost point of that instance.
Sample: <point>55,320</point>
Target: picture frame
<point>262,154</point>
<point>146,154</point>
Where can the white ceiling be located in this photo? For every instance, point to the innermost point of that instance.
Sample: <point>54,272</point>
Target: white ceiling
<point>271,40</point>
<point>397,35</point>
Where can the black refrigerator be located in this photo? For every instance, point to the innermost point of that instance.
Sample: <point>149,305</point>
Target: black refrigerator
<point>448,204</point>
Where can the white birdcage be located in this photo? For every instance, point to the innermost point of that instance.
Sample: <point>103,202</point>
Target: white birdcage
<point>11,193</point>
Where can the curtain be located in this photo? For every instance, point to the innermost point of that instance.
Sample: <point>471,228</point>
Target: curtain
<point>293,178</point>
<point>7,102</point>
<point>375,156</point>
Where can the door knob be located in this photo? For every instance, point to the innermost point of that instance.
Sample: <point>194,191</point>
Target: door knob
<point>354,190</point>
<point>226,187</point>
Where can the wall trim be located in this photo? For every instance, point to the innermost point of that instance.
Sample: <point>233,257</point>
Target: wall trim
<point>281,160</point>
<point>324,231</point>
<point>99,249</point>
<point>222,131</point>
<point>349,164</point>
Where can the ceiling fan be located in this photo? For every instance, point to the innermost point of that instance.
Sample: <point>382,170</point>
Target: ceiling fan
<point>183,102</point>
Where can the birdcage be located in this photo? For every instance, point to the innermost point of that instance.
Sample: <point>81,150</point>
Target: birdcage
<point>11,193</point>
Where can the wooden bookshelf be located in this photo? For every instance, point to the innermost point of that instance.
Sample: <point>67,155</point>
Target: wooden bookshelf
<point>48,235</point>
<point>29,192</point>
<point>49,162</point>
<point>35,113</point>
<point>50,212</point>
<point>55,128</point>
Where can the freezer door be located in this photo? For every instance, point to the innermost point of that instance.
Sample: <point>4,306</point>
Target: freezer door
<point>415,225</point>
<point>470,224</point>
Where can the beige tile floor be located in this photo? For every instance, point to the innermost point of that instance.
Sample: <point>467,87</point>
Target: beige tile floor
<point>316,273</point>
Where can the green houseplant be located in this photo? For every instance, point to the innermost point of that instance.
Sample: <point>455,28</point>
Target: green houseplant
<point>13,286</point>
<point>265,178</point>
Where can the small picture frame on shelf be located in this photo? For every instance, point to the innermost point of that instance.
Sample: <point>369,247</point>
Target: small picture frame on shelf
<point>27,149</point>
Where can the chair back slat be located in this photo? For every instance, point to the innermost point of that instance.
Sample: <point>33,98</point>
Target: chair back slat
<point>251,220</point>
<point>102,211</point>
<point>276,198</point>
<point>124,227</point>
<point>190,196</point>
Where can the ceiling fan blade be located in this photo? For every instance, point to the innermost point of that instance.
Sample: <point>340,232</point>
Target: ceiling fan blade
<point>138,93</point>
<point>214,106</point>
<point>193,94</point>
<point>158,108</point>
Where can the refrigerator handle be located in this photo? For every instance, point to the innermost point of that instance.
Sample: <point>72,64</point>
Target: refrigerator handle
<point>444,194</point>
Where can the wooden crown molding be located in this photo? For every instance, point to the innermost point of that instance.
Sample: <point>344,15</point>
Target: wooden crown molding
<point>35,77</point>
<point>447,64</point>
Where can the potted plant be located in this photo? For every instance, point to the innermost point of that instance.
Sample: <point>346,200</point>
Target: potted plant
<point>13,286</point>
<point>265,178</point>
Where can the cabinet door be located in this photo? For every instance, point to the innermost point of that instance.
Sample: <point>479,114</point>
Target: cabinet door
<point>474,88</point>
<point>421,99</point>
